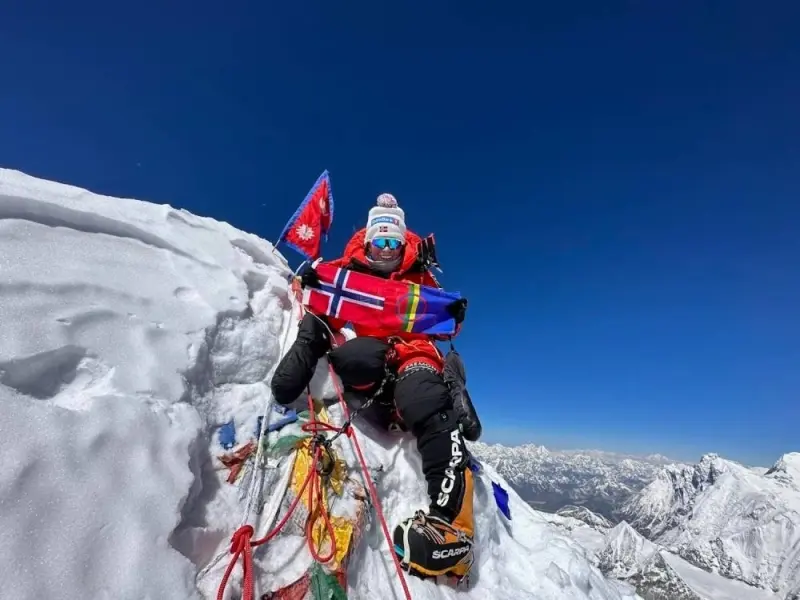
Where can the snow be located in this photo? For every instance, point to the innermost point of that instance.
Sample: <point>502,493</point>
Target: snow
<point>590,537</point>
<point>130,333</point>
<point>786,470</point>
<point>711,586</point>
<point>88,498</point>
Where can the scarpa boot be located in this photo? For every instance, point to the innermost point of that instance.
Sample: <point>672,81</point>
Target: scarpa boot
<point>439,543</point>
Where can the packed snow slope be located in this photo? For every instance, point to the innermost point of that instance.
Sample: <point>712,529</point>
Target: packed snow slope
<point>130,333</point>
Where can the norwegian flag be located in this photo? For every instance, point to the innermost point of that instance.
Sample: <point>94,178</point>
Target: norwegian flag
<point>343,297</point>
<point>311,222</point>
<point>380,304</point>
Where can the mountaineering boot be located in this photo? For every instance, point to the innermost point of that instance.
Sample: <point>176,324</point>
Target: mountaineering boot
<point>440,542</point>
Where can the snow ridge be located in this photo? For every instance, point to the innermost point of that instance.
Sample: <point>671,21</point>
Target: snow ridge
<point>131,332</point>
<point>587,516</point>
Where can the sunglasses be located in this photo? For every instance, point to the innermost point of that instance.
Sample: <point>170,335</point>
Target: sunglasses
<point>382,243</point>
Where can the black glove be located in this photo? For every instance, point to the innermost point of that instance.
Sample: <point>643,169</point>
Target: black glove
<point>458,309</point>
<point>309,277</point>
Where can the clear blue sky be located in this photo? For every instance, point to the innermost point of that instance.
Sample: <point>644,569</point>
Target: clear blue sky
<point>614,185</point>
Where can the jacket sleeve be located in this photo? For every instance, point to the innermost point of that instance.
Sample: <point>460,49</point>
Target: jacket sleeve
<point>337,262</point>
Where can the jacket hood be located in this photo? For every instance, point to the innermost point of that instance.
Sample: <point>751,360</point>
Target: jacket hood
<point>355,250</point>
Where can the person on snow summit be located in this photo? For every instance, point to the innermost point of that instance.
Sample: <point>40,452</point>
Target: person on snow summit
<point>439,542</point>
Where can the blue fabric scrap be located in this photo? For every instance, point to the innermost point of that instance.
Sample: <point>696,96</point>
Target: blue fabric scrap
<point>501,499</point>
<point>474,465</point>
<point>227,435</point>
<point>290,417</point>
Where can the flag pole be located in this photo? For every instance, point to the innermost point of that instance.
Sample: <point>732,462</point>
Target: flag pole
<point>313,219</point>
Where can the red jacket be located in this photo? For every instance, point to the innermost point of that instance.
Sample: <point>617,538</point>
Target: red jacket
<point>413,347</point>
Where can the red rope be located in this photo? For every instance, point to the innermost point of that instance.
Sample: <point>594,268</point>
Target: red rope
<point>351,433</point>
<point>242,545</point>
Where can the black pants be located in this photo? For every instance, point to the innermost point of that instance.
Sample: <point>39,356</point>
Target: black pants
<point>421,397</point>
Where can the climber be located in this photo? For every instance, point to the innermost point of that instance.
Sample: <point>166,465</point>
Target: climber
<point>438,542</point>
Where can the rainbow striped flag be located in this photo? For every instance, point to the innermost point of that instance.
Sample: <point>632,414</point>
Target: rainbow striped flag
<point>390,307</point>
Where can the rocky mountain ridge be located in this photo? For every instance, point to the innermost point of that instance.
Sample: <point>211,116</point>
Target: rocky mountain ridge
<point>551,479</point>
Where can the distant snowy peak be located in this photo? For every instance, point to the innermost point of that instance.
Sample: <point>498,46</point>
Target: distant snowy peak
<point>629,557</point>
<point>626,552</point>
<point>671,495</point>
<point>592,519</point>
<point>786,470</point>
<point>659,458</point>
<point>551,479</point>
<point>728,518</point>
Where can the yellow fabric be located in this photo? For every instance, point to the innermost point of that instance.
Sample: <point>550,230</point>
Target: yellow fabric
<point>342,533</point>
<point>344,529</point>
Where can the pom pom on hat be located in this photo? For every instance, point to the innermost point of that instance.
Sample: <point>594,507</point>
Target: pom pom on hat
<point>387,201</point>
<point>386,219</point>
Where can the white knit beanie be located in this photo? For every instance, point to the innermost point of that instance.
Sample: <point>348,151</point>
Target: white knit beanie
<point>386,219</point>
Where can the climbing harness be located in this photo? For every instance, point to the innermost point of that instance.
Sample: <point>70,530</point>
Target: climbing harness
<point>345,428</point>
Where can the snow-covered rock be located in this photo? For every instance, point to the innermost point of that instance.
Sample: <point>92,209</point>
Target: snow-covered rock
<point>630,557</point>
<point>728,518</point>
<point>659,575</point>
<point>670,497</point>
<point>582,513</point>
<point>627,557</point>
<point>130,333</point>
<point>550,479</point>
<point>626,552</point>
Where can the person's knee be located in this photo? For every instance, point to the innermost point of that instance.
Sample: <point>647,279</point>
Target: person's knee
<point>296,368</point>
<point>360,362</point>
<point>293,373</point>
<point>313,331</point>
<point>424,402</point>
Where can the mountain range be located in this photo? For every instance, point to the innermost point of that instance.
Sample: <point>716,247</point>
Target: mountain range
<point>740,522</point>
<point>551,479</point>
<point>715,530</point>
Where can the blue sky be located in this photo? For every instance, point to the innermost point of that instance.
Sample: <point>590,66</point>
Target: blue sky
<point>616,188</point>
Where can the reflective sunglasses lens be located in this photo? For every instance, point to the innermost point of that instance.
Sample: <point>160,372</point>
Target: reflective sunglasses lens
<point>382,243</point>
